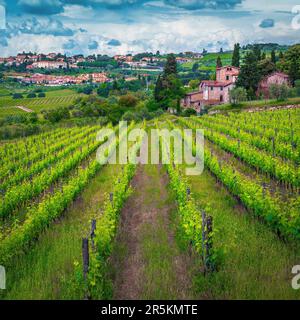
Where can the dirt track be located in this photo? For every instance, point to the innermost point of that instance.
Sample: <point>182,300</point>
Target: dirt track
<point>151,266</point>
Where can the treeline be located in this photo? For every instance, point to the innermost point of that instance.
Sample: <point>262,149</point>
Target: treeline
<point>258,64</point>
<point>113,109</point>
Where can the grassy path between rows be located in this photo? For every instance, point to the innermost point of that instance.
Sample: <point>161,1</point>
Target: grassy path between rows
<point>147,264</point>
<point>255,263</point>
<point>47,270</point>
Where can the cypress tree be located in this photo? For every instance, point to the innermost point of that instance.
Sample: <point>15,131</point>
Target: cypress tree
<point>171,65</point>
<point>219,62</point>
<point>273,56</point>
<point>168,90</point>
<point>257,52</point>
<point>236,55</point>
<point>281,55</point>
<point>158,89</point>
<point>250,76</point>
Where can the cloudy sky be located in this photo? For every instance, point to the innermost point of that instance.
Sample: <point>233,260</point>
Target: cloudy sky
<point>129,26</point>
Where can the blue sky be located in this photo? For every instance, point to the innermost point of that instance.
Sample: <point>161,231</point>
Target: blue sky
<point>129,26</point>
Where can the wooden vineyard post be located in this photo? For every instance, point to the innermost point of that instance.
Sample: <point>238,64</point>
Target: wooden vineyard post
<point>209,229</point>
<point>203,216</point>
<point>93,229</point>
<point>264,189</point>
<point>111,198</point>
<point>86,264</point>
<point>188,192</point>
<point>85,257</point>
<point>273,146</point>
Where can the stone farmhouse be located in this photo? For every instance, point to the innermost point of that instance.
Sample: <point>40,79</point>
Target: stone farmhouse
<point>213,92</point>
<point>279,78</point>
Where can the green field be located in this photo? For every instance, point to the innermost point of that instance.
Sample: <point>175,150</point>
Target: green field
<point>53,99</point>
<point>208,62</point>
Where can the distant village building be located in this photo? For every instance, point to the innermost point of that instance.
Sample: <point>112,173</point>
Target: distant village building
<point>182,60</point>
<point>64,80</point>
<point>279,78</point>
<point>49,65</point>
<point>213,92</point>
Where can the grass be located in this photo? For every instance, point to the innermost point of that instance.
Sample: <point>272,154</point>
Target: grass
<point>47,270</point>
<point>160,281</point>
<point>254,263</point>
<point>147,263</point>
<point>256,104</point>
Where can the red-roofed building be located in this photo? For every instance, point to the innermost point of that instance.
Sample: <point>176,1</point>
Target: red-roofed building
<point>213,92</point>
<point>279,78</point>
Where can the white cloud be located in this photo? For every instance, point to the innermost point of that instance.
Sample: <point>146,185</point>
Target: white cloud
<point>78,12</point>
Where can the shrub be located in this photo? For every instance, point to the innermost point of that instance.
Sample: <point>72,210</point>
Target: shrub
<point>280,92</point>
<point>17,96</point>
<point>128,101</point>
<point>31,95</point>
<point>237,95</point>
<point>55,115</point>
<point>42,95</point>
<point>189,112</point>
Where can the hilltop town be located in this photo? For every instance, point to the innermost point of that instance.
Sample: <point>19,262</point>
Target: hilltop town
<point>78,69</point>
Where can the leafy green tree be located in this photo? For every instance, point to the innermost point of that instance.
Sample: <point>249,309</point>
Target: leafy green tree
<point>103,90</point>
<point>266,67</point>
<point>115,85</point>
<point>56,115</point>
<point>279,91</point>
<point>195,67</point>
<point>237,95</point>
<point>42,95</point>
<point>236,55</point>
<point>128,101</point>
<point>297,87</point>
<point>87,90</point>
<point>194,83</point>
<point>290,63</point>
